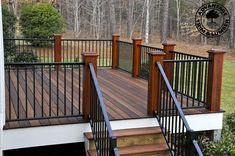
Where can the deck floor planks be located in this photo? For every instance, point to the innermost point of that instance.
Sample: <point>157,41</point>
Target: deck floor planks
<point>125,97</point>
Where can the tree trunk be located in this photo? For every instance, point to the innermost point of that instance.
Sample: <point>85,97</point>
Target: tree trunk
<point>178,3</point>
<point>165,21</point>
<point>112,17</point>
<point>130,17</point>
<point>231,40</point>
<point>147,22</point>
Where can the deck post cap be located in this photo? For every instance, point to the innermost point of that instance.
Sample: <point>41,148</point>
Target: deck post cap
<point>89,54</point>
<point>137,39</point>
<point>168,44</point>
<point>116,35</point>
<point>216,51</point>
<point>156,53</point>
<point>57,34</point>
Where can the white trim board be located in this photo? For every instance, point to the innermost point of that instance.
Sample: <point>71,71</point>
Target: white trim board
<point>62,134</point>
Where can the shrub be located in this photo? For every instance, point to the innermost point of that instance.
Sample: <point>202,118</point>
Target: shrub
<point>144,70</point>
<point>226,146</point>
<point>230,122</point>
<point>40,21</point>
<point>223,147</point>
<point>9,21</point>
<point>26,57</point>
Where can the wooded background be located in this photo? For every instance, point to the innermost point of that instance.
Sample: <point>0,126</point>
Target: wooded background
<point>152,20</point>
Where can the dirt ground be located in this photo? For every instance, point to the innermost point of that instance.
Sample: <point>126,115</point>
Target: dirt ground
<point>198,49</point>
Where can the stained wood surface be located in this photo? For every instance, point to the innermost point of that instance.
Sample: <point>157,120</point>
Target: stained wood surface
<point>125,97</point>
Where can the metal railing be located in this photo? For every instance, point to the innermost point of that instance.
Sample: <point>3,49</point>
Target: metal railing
<point>42,48</point>
<point>105,141</point>
<point>196,150</point>
<point>125,56</point>
<point>171,118</point>
<point>186,56</point>
<point>43,90</point>
<point>144,59</point>
<point>188,79</point>
<point>72,50</point>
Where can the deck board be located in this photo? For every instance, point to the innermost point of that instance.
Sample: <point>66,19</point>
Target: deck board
<point>125,97</point>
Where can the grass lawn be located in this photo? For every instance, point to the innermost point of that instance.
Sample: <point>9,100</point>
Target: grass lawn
<point>228,89</point>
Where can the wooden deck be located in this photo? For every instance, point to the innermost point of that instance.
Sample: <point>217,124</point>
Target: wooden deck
<point>125,98</point>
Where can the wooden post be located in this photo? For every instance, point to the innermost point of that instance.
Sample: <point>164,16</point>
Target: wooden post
<point>115,51</point>
<point>88,58</point>
<point>153,84</point>
<point>167,48</point>
<point>136,57</point>
<point>57,48</point>
<point>215,73</point>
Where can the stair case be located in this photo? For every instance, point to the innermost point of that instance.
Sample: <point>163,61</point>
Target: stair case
<point>147,141</point>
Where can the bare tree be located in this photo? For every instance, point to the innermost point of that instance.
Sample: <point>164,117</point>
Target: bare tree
<point>130,17</point>
<point>147,22</point>
<point>178,4</point>
<point>165,21</point>
<point>112,16</point>
<point>231,40</point>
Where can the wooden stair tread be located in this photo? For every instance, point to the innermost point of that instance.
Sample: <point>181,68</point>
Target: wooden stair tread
<point>130,132</point>
<point>138,149</point>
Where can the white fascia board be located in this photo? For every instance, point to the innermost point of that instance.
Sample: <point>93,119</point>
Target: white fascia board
<point>42,136</point>
<point>63,134</point>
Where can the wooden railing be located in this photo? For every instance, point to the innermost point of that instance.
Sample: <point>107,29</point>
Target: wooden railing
<point>43,90</point>
<point>171,118</point>
<point>105,141</point>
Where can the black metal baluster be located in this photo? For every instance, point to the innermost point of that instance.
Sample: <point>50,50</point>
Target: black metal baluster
<point>72,90</point>
<point>34,91</point>
<point>57,90</point>
<point>26,93</point>
<point>65,94</point>
<point>18,96</point>
<point>50,90</point>
<point>9,82</point>
<point>42,110</point>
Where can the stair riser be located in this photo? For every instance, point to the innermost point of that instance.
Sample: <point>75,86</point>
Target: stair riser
<point>135,140</point>
<point>165,153</point>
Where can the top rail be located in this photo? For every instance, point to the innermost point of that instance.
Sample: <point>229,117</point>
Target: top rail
<point>42,64</point>
<point>181,55</point>
<point>125,42</point>
<point>85,39</point>
<point>150,47</point>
